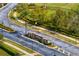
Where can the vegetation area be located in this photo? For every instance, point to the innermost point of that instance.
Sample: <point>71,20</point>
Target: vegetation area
<point>1,36</point>
<point>6,28</point>
<point>62,18</point>
<point>3,53</point>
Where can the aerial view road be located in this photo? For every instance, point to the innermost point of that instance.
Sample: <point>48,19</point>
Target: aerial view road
<point>28,42</point>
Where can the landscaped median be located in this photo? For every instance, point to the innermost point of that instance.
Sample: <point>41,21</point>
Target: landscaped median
<point>6,28</point>
<point>52,46</point>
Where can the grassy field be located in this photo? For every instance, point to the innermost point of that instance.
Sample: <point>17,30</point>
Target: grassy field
<point>62,5</point>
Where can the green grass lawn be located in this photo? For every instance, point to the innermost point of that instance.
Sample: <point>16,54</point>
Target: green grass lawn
<point>3,53</point>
